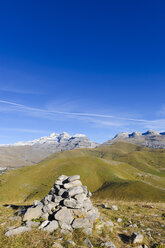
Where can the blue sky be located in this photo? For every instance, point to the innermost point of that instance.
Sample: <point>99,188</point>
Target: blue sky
<point>92,67</point>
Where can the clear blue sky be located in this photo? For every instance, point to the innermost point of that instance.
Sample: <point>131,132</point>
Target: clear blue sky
<point>86,66</point>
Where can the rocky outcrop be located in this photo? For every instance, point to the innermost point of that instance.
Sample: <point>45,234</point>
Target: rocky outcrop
<point>31,152</point>
<point>151,139</point>
<point>67,206</point>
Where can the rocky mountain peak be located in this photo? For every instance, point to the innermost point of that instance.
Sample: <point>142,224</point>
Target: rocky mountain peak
<point>30,152</point>
<point>151,139</point>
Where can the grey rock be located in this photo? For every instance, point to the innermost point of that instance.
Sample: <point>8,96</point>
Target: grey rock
<point>88,242</point>
<point>57,198</point>
<point>73,178</point>
<point>79,212</point>
<point>80,197</point>
<point>51,227</point>
<point>17,230</point>
<point>52,191</point>
<point>51,207</point>
<point>64,215</point>
<point>74,191</point>
<point>32,223</point>
<point>72,184</point>
<point>10,228</point>
<point>137,238</point>
<point>62,177</point>
<point>33,213</point>
<point>114,207</point>
<point>119,220</point>
<point>45,216</point>
<point>58,182</point>
<point>65,232</point>
<point>65,226</point>
<point>44,224</point>
<point>72,203</point>
<point>87,204</point>
<point>61,192</point>
<point>86,191</point>
<point>36,203</point>
<point>87,231</point>
<point>15,218</point>
<point>81,223</point>
<point>108,244</point>
<point>93,214</point>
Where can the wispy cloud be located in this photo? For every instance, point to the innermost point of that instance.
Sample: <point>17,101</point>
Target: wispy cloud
<point>20,91</point>
<point>100,119</point>
<point>24,130</point>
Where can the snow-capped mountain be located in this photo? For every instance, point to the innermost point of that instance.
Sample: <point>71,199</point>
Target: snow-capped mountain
<point>53,138</point>
<point>26,153</point>
<point>151,139</point>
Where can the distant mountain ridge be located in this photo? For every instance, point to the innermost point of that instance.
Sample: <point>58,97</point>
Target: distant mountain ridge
<point>52,138</point>
<point>31,152</point>
<point>150,139</point>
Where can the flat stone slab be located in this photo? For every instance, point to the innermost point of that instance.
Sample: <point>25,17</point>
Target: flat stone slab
<point>33,213</point>
<point>17,230</point>
<point>81,223</point>
<point>74,191</point>
<point>72,184</point>
<point>73,178</point>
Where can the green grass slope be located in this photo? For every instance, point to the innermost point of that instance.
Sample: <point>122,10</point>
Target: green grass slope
<point>121,171</point>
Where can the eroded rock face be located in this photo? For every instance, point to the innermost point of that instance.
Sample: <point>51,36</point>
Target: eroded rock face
<point>67,206</point>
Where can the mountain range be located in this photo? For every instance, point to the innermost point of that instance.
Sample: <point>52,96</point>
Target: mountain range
<point>151,139</point>
<point>27,153</point>
<point>31,152</point>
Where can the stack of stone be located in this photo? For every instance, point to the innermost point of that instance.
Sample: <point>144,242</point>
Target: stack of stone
<point>67,206</point>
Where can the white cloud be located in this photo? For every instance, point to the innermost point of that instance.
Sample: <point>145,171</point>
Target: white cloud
<point>24,130</point>
<point>20,91</point>
<point>95,118</point>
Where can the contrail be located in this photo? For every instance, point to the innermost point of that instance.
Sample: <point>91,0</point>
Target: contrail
<point>24,107</point>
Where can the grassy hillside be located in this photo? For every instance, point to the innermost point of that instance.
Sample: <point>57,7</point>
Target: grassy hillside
<point>120,171</point>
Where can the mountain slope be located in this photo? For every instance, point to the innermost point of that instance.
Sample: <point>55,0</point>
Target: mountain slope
<point>119,171</point>
<point>26,153</point>
<point>151,139</point>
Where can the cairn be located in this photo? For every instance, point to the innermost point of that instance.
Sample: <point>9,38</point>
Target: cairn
<point>67,206</point>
